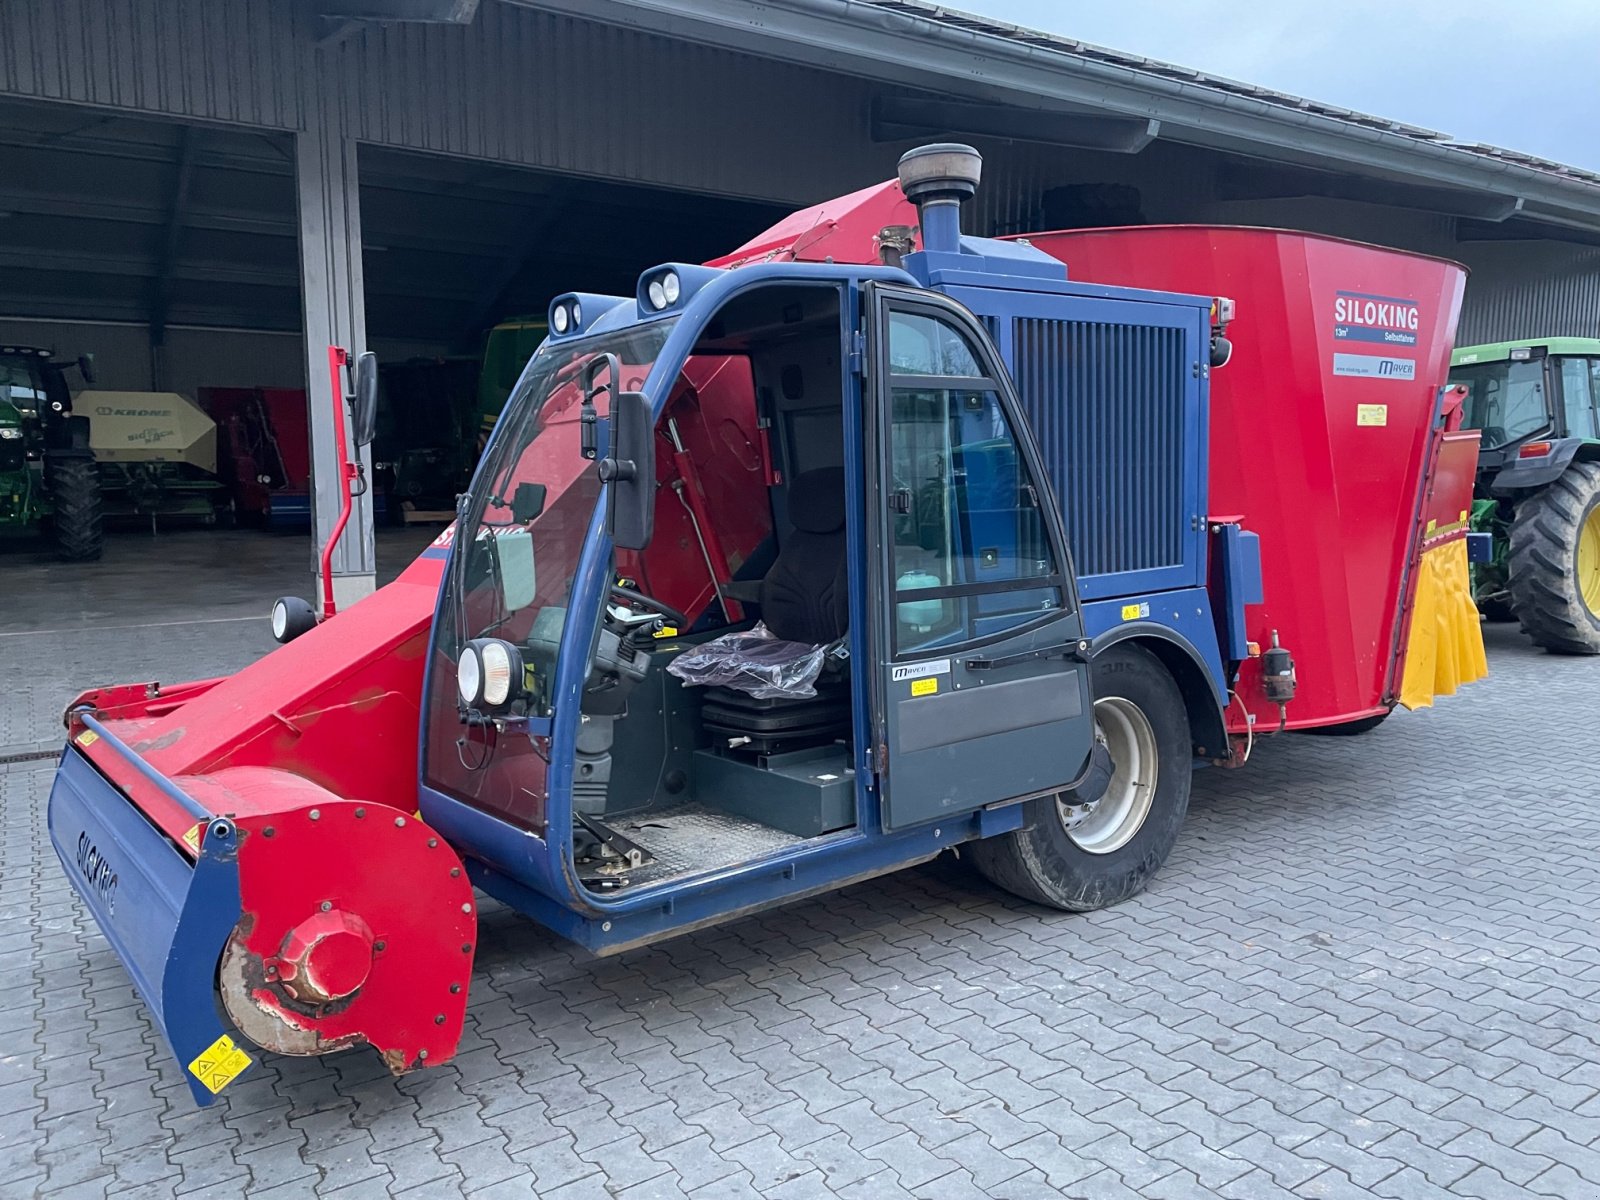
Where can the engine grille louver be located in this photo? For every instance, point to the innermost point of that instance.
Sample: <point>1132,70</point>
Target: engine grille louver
<point>1107,405</point>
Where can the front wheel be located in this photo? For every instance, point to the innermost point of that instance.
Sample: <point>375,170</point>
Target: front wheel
<point>74,484</point>
<point>1082,857</point>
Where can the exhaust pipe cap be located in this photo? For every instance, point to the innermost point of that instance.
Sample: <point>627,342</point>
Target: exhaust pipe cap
<point>942,171</point>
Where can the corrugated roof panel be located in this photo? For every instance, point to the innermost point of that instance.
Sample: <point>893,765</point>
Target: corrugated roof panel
<point>548,91</point>
<point>235,61</point>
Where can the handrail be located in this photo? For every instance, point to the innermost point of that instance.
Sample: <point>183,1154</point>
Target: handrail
<point>167,788</point>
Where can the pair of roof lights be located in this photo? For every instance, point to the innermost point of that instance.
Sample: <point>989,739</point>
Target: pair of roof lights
<point>663,290</point>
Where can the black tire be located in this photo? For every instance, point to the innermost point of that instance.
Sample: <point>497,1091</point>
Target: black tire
<point>1544,563</point>
<point>1042,862</point>
<point>1348,728</point>
<point>75,494</point>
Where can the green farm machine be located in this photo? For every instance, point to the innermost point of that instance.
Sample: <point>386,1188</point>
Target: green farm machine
<point>1537,404</point>
<point>49,483</point>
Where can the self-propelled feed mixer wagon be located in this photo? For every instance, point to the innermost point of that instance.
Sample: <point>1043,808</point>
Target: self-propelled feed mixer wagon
<point>778,575</point>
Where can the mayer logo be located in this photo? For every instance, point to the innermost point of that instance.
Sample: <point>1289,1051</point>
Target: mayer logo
<point>1358,317</point>
<point>97,872</point>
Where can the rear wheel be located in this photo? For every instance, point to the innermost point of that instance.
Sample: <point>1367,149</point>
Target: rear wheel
<point>1555,563</point>
<point>75,494</point>
<point>1081,857</point>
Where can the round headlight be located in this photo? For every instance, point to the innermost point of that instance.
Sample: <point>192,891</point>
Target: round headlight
<point>496,673</point>
<point>469,676</point>
<point>291,616</point>
<point>656,294</point>
<point>671,288</point>
<point>577,314</point>
<point>560,319</point>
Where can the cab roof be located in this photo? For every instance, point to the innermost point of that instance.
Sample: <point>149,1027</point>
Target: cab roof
<point>1501,351</point>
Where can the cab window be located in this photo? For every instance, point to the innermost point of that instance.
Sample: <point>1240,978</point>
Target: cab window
<point>970,553</point>
<point>1577,398</point>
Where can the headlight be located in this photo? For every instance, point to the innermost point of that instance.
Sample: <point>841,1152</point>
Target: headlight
<point>671,288</point>
<point>559,319</point>
<point>657,294</point>
<point>9,434</point>
<point>469,675</point>
<point>577,314</point>
<point>489,674</point>
<point>291,616</point>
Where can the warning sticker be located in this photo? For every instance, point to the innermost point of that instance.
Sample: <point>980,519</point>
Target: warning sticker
<point>219,1064</point>
<point>191,838</point>
<point>88,737</point>
<point>924,687</point>
<point>1372,414</point>
<point>1133,612</point>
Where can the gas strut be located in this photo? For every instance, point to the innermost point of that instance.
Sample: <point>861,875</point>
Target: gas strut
<point>687,486</point>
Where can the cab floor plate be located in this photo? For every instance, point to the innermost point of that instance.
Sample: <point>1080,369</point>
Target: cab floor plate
<point>692,838</point>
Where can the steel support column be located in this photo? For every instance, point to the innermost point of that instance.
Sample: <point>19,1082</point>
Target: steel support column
<point>334,309</point>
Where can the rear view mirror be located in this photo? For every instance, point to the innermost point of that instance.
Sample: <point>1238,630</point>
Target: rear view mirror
<point>629,472</point>
<point>364,408</point>
<point>527,502</point>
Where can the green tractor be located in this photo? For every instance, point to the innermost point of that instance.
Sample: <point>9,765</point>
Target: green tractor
<point>49,482</point>
<point>1537,405</point>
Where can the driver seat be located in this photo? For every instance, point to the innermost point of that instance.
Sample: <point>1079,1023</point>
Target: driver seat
<point>805,597</point>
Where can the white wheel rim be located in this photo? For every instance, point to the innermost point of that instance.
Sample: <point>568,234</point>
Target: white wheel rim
<point>1121,812</point>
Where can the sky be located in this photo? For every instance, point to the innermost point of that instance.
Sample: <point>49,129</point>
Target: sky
<point>1524,74</point>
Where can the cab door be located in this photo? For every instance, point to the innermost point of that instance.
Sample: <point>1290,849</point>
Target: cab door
<point>980,693</point>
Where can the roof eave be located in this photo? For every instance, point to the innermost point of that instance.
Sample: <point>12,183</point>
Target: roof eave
<point>903,46</point>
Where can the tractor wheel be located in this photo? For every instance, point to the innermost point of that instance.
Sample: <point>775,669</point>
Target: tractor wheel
<point>1555,563</point>
<point>1079,861</point>
<point>74,485</point>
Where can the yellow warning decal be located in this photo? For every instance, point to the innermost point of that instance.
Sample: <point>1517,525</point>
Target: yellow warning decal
<point>88,738</point>
<point>219,1064</point>
<point>191,838</point>
<point>1372,414</point>
<point>924,687</point>
<point>1132,612</point>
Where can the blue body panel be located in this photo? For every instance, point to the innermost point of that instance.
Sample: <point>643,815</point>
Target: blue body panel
<point>1238,579</point>
<point>167,919</point>
<point>539,878</point>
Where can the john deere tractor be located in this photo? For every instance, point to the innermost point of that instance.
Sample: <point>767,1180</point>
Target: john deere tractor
<point>1537,404</point>
<point>48,479</point>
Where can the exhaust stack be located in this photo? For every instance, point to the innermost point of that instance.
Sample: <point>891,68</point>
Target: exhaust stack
<point>937,179</point>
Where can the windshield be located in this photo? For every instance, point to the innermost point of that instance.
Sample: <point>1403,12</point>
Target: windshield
<point>516,552</point>
<point>1506,400</point>
<point>19,386</point>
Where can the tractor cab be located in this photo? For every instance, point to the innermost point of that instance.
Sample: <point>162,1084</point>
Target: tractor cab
<point>1537,492</point>
<point>734,538</point>
<point>1533,402</point>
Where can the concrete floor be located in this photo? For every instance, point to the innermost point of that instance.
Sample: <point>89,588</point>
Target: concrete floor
<point>193,601</point>
<point>1371,967</point>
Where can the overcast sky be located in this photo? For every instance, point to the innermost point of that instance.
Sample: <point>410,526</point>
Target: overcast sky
<point>1518,73</point>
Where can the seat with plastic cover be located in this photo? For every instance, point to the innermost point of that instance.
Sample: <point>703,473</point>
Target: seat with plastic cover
<point>765,690</point>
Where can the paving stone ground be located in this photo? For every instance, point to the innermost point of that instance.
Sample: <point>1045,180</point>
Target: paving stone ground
<point>1370,968</point>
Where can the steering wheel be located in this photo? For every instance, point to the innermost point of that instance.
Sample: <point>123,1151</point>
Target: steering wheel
<point>639,600</point>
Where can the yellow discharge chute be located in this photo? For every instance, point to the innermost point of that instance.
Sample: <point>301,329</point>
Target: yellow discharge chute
<point>1444,648</point>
